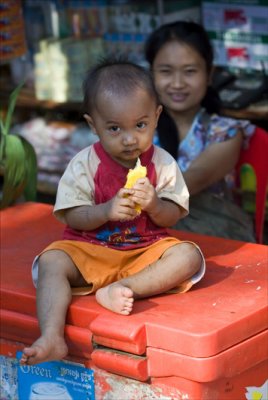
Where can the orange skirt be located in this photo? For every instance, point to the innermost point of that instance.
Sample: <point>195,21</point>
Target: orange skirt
<point>101,266</point>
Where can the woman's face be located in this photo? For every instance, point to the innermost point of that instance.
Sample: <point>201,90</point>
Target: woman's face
<point>180,76</point>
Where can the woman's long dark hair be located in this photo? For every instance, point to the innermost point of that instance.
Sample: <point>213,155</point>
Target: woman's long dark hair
<point>195,36</point>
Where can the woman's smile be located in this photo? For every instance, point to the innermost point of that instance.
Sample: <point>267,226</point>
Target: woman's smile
<point>178,97</point>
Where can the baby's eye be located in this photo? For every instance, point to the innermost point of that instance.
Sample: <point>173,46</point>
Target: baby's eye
<point>114,129</point>
<point>141,125</point>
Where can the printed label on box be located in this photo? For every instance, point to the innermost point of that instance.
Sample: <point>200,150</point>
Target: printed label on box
<point>238,31</point>
<point>55,380</point>
<point>257,393</point>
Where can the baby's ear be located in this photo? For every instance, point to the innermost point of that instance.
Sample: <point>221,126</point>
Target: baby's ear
<point>90,122</point>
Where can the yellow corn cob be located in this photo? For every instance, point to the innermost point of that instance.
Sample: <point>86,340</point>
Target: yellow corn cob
<point>133,175</point>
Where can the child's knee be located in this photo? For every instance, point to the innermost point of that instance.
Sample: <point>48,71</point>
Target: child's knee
<point>52,261</point>
<point>44,266</point>
<point>58,264</point>
<point>47,258</point>
<point>194,257</point>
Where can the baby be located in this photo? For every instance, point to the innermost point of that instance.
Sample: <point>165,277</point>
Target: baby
<point>111,247</point>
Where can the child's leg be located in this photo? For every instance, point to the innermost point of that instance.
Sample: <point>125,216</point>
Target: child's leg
<point>56,274</point>
<point>177,264</point>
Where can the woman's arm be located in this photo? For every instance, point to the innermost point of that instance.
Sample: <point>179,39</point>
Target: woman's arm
<point>213,164</point>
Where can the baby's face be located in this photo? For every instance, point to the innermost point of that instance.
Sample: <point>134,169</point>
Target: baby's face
<point>125,124</point>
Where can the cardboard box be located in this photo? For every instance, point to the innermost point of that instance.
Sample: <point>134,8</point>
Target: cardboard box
<point>239,32</point>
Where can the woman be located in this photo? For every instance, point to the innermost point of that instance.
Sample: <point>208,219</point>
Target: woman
<point>206,145</point>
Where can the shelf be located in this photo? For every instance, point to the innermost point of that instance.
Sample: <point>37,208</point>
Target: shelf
<point>27,99</point>
<point>258,111</point>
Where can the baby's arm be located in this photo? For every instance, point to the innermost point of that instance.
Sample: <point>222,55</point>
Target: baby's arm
<point>120,208</point>
<point>163,212</point>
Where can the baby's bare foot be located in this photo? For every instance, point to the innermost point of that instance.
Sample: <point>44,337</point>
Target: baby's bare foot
<point>44,349</point>
<point>116,297</point>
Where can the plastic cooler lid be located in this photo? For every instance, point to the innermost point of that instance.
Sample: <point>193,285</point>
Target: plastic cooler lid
<point>227,307</point>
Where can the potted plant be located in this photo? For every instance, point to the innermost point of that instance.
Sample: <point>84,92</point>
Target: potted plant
<point>18,162</point>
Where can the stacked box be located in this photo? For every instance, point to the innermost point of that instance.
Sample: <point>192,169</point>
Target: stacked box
<point>210,343</point>
<point>130,45</point>
<point>12,33</point>
<point>239,32</point>
<point>86,17</point>
<point>61,65</point>
<point>132,18</point>
<point>130,24</point>
<point>185,10</point>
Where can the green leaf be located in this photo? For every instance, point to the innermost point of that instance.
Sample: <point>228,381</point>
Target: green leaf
<point>31,171</point>
<point>14,170</point>
<point>11,107</point>
<point>11,194</point>
<point>1,124</point>
<point>15,159</point>
<point>2,143</point>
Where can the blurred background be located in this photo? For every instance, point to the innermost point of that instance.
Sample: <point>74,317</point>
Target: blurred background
<point>50,44</point>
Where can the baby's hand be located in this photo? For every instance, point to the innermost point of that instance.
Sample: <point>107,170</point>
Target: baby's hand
<point>121,207</point>
<point>144,194</point>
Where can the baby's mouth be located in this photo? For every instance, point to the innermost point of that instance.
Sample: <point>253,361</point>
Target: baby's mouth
<point>131,152</point>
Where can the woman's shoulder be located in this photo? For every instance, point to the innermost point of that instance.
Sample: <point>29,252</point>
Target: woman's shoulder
<point>225,121</point>
<point>220,127</point>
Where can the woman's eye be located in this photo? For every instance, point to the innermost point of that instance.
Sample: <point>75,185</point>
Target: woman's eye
<point>165,71</point>
<point>190,71</point>
<point>141,125</point>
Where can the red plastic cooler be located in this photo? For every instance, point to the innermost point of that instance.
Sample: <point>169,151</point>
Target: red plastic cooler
<point>209,343</point>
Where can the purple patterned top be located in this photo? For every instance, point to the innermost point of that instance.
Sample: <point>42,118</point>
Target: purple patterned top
<point>205,130</point>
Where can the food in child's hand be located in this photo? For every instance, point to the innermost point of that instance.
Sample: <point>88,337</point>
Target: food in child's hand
<point>133,175</point>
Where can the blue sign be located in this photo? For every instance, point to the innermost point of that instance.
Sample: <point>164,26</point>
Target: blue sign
<point>55,380</point>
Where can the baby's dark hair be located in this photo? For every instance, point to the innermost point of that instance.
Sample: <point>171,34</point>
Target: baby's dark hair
<point>195,36</point>
<point>119,76</point>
